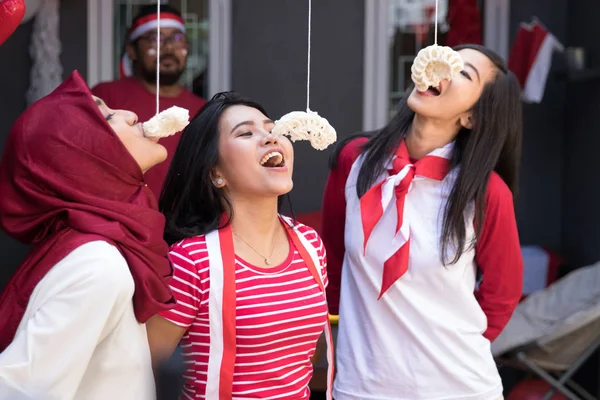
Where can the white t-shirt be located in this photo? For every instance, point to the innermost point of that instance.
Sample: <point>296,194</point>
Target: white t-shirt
<point>79,338</point>
<point>424,339</point>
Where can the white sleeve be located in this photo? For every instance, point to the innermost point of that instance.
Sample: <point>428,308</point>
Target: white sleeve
<point>73,308</point>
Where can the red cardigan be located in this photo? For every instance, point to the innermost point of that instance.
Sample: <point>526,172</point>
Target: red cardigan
<point>497,252</point>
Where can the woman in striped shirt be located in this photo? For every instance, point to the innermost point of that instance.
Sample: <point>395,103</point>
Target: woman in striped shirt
<point>249,283</point>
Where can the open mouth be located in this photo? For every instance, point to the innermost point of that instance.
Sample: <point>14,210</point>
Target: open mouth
<point>273,159</point>
<point>436,91</point>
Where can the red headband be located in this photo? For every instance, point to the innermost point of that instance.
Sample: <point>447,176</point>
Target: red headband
<point>149,22</point>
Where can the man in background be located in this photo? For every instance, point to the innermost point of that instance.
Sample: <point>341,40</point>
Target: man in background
<point>136,90</point>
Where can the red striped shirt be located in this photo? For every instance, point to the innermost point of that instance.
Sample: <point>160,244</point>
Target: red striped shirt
<point>280,314</point>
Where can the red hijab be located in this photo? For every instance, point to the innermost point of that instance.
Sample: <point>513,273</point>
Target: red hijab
<point>65,180</point>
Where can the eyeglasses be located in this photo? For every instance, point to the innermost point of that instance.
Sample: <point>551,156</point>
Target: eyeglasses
<point>176,39</point>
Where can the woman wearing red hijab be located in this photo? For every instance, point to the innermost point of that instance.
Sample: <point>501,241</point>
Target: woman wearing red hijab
<point>73,314</point>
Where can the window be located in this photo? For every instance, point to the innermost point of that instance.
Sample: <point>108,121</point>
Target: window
<point>208,68</point>
<point>195,15</point>
<point>395,31</point>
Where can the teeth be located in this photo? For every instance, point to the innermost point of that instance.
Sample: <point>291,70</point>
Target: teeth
<point>270,155</point>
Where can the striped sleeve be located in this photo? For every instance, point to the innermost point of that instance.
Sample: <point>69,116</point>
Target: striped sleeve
<point>186,286</point>
<point>315,240</point>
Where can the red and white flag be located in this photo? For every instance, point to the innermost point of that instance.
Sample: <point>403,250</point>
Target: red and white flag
<point>531,58</point>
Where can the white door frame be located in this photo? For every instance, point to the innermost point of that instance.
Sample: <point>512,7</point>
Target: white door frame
<point>100,42</point>
<point>376,53</point>
<point>219,54</point>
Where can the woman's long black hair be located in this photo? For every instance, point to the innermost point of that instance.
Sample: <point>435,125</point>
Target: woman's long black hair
<point>493,144</point>
<point>189,200</point>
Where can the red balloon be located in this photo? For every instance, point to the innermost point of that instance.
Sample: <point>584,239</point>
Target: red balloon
<point>11,14</point>
<point>533,389</point>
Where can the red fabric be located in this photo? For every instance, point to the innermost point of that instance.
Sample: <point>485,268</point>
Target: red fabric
<point>11,15</point>
<point>464,19</point>
<point>519,61</point>
<point>371,210</point>
<point>499,258</point>
<point>226,373</point>
<point>66,179</point>
<point>130,94</point>
<point>498,251</point>
<point>525,50</point>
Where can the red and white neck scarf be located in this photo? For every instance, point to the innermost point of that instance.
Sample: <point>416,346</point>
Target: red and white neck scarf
<point>146,24</point>
<point>392,192</point>
<point>222,305</point>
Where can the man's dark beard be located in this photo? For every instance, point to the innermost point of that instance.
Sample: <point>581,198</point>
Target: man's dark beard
<point>166,78</point>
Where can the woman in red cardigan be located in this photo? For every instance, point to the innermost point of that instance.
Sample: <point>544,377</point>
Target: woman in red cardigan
<point>411,213</point>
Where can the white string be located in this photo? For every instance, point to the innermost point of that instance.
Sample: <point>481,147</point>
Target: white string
<point>436,22</point>
<point>157,55</point>
<point>308,57</point>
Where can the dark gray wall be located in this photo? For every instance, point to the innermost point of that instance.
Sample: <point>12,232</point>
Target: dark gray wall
<point>581,217</point>
<point>73,35</point>
<point>269,65</point>
<point>15,64</point>
<point>539,211</point>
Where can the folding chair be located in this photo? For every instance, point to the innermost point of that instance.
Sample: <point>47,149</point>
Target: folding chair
<point>554,331</point>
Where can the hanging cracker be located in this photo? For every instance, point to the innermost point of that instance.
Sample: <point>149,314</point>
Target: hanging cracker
<point>300,125</point>
<point>306,125</point>
<point>435,63</point>
<point>167,122</point>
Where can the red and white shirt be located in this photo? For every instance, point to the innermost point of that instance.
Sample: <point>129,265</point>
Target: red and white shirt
<point>428,337</point>
<point>280,314</point>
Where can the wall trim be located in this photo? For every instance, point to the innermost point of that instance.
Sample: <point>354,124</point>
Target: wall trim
<point>497,26</point>
<point>376,63</point>
<point>100,41</point>
<point>219,59</point>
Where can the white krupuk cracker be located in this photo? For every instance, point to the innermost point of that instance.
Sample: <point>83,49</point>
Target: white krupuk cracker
<point>167,122</point>
<point>301,125</point>
<point>433,64</point>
